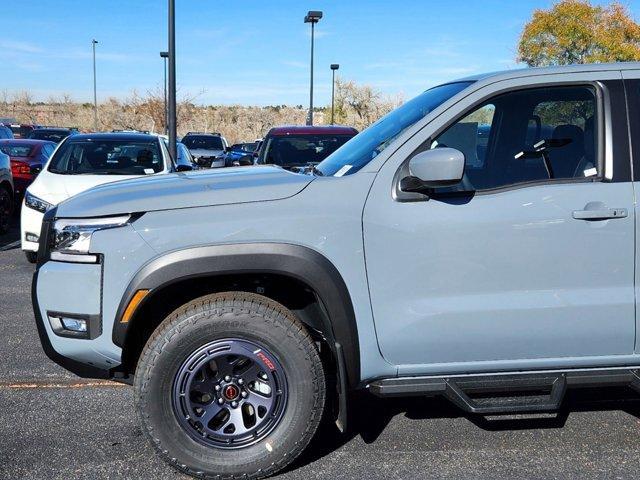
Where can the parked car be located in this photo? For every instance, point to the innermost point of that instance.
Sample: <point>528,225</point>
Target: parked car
<point>207,148</point>
<point>240,154</point>
<point>81,162</point>
<point>296,147</point>
<point>244,304</point>
<point>21,130</point>
<point>27,158</point>
<point>6,192</point>
<point>52,134</point>
<point>5,132</point>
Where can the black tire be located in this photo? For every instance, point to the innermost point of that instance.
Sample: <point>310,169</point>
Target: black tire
<point>32,257</point>
<point>232,315</point>
<point>6,208</point>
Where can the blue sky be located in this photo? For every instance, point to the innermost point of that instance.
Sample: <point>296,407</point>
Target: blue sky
<point>255,52</point>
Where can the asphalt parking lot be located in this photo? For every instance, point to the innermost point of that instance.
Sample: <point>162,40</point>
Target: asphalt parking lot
<point>56,426</point>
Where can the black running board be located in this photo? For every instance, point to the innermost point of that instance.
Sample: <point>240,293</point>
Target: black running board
<point>513,393</point>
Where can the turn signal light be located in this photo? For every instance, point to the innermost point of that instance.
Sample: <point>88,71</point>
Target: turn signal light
<point>133,305</point>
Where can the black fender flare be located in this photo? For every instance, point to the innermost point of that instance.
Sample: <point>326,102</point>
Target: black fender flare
<point>295,261</point>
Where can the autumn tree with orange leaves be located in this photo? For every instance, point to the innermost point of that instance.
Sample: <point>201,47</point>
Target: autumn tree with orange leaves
<point>575,31</point>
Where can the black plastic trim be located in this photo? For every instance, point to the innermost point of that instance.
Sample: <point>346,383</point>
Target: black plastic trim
<point>295,261</point>
<point>94,325</point>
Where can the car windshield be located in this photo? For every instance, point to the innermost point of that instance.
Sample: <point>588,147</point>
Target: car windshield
<point>94,156</point>
<point>370,142</point>
<point>203,142</point>
<point>301,149</point>
<point>51,135</point>
<point>244,147</point>
<point>14,150</point>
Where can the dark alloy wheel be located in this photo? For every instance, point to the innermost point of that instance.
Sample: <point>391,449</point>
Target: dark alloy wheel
<point>6,207</point>
<point>230,385</point>
<point>230,393</point>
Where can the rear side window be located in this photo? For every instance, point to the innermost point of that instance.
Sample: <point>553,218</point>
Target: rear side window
<point>16,150</point>
<point>526,136</point>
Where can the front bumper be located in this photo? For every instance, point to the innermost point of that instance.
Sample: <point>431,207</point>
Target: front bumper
<point>88,291</point>
<point>31,223</point>
<point>80,368</point>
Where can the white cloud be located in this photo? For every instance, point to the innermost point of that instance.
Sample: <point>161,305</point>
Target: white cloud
<point>22,47</point>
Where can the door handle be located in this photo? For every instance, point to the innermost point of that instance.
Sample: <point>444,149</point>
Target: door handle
<point>600,214</point>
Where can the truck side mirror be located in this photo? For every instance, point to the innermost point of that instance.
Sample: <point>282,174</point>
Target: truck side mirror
<point>439,167</point>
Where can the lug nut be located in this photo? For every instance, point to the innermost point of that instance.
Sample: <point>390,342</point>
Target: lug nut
<point>234,404</point>
<point>240,381</point>
<point>221,401</point>
<point>217,388</point>
<point>243,394</point>
<point>263,376</point>
<point>227,378</point>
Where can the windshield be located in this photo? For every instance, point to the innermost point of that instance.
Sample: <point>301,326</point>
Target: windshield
<point>301,149</point>
<point>16,150</point>
<point>203,142</point>
<point>370,142</point>
<point>244,147</point>
<point>107,157</point>
<point>51,135</point>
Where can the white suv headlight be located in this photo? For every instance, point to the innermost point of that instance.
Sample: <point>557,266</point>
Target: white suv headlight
<point>36,203</point>
<point>71,238</point>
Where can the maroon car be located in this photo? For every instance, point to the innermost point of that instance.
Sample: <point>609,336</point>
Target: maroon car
<point>296,147</point>
<point>27,159</point>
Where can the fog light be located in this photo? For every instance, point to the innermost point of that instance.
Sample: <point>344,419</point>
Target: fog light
<point>31,237</point>
<point>74,325</point>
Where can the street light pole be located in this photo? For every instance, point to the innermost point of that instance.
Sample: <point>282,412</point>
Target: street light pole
<point>95,94</point>
<point>312,17</point>
<point>172,80</point>
<point>334,67</point>
<point>164,56</point>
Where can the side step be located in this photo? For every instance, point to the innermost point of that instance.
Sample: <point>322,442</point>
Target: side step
<point>506,393</point>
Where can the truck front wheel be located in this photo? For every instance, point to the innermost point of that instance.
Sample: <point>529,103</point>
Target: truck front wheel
<point>230,385</point>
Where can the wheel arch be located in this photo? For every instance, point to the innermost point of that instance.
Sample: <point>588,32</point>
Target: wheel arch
<point>302,265</point>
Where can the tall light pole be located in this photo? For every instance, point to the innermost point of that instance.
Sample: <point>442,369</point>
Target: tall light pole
<point>334,67</point>
<point>94,42</point>
<point>164,56</point>
<point>312,17</point>
<point>172,80</point>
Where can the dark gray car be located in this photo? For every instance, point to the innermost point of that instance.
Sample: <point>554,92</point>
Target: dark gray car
<point>6,192</point>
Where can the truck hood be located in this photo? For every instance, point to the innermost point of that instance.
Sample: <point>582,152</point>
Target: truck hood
<point>183,190</point>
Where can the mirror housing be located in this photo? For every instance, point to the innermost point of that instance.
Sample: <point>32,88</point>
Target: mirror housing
<point>183,168</point>
<point>439,167</point>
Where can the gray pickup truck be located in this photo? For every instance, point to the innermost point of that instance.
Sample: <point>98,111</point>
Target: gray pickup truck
<point>478,243</point>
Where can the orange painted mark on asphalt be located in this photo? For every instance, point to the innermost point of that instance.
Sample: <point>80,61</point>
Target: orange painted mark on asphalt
<point>44,384</point>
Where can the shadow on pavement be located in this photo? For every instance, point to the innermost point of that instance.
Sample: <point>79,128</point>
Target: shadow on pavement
<point>370,415</point>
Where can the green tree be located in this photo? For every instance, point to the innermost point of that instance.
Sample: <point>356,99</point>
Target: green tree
<point>575,31</point>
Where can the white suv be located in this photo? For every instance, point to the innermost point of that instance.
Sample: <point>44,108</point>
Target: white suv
<point>82,162</point>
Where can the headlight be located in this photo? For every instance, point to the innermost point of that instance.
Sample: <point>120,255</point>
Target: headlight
<point>71,238</point>
<point>36,203</point>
